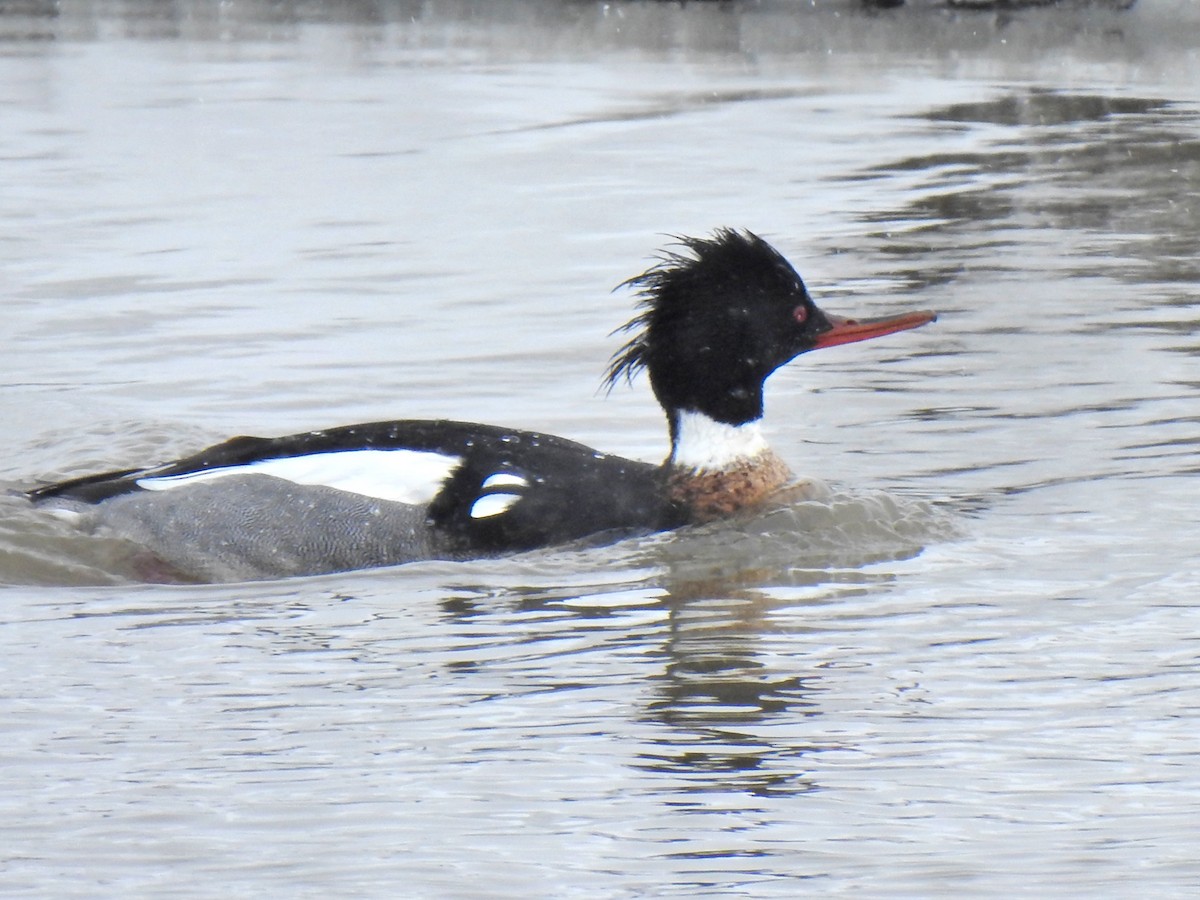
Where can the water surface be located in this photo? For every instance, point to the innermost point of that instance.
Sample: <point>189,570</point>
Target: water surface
<point>971,671</point>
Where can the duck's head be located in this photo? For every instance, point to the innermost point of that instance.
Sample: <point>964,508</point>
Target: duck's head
<point>718,317</point>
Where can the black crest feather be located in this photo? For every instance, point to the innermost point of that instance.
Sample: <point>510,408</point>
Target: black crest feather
<point>665,289</point>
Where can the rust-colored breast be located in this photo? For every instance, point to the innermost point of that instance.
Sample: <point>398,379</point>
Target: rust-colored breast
<point>709,495</point>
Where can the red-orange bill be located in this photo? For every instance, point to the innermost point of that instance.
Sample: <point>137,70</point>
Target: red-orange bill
<point>848,331</point>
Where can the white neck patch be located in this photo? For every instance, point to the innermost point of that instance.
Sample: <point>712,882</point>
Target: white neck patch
<point>706,444</point>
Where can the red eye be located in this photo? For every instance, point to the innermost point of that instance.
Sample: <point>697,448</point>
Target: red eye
<point>800,314</point>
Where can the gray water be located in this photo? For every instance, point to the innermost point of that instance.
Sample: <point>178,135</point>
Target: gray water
<point>970,670</point>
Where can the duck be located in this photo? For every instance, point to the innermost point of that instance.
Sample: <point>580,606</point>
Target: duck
<point>716,316</point>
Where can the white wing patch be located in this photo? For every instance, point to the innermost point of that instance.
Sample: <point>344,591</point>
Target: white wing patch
<point>503,479</point>
<point>494,500</point>
<point>405,476</point>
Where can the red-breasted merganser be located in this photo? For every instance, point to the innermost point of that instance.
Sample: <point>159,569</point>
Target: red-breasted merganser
<point>716,319</point>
